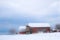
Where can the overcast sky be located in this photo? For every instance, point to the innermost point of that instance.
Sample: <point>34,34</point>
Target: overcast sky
<point>21,12</point>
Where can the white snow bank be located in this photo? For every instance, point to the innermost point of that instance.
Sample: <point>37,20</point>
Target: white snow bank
<point>39,36</point>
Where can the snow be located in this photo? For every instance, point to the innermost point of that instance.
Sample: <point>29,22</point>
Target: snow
<point>38,36</point>
<point>39,25</point>
<point>22,28</point>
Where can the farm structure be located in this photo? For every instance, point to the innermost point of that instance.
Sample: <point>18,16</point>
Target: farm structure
<point>34,28</point>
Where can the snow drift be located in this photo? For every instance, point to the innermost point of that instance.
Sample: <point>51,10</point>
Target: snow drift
<point>39,36</point>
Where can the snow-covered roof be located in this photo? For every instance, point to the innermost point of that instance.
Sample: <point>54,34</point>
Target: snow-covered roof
<point>38,24</point>
<point>22,28</point>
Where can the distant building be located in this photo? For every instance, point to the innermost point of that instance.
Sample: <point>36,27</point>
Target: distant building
<point>35,28</point>
<point>58,27</point>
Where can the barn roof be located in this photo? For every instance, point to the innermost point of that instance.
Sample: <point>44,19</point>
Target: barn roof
<point>39,24</point>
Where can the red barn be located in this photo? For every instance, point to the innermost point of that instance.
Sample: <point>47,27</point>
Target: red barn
<point>37,27</point>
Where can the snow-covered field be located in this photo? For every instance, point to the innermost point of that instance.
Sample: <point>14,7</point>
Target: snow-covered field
<point>39,36</point>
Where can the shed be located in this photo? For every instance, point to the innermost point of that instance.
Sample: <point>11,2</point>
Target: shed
<point>22,29</point>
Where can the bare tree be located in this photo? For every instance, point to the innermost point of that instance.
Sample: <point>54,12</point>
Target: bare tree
<point>12,31</point>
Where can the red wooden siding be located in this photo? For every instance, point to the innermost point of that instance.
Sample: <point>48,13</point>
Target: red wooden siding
<point>36,29</point>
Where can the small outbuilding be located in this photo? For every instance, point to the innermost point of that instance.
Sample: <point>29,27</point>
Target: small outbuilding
<point>22,30</point>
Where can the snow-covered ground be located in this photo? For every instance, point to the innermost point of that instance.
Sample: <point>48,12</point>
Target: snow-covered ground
<point>39,36</point>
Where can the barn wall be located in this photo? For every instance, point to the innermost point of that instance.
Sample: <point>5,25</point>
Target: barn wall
<point>22,32</point>
<point>36,29</point>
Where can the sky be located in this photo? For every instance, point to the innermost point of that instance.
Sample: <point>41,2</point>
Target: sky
<point>14,13</point>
